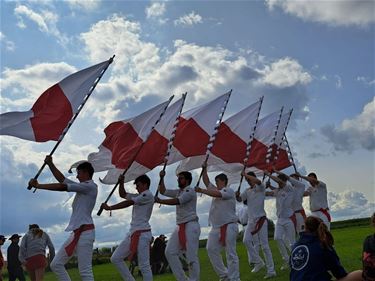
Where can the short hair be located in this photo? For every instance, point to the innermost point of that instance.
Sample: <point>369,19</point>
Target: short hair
<point>222,177</point>
<point>283,177</point>
<point>87,167</point>
<point>313,175</point>
<point>187,176</point>
<point>32,226</point>
<point>143,179</point>
<point>251,174</point>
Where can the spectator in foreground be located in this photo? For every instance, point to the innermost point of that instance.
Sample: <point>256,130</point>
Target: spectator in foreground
<point>2,240</point>
<point>32,252</point>
<point>14,265</point>
<point>368,257</point>
<point>313,257</point>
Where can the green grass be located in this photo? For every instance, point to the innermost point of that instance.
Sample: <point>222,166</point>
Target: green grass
<point>348,244</point>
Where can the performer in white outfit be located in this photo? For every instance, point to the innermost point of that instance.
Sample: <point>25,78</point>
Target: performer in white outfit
<point>138,240</point>
<point>185,237</point>
<point>223,234</point>
<point>286,223</point>
<point>299,191</point>
<point>256,232</point>
<point>81,240</point>
<point>318,198</point>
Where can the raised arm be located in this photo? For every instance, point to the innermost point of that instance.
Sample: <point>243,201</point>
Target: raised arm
<point>281,173</point>
<point>311,180</point>
<point>253,180</point>
<point>205,177</point>
<point>171,202</point>
<point>276,179</point>
<point>49,186</point>
<point>161,186</point>
<point>209,192</point>
<point>122,205</point>
<point>121,188</point>
<point>56,172</point>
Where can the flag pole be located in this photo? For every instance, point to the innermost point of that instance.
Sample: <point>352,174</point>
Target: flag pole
<point>135,156</point>
<point>290,153</point>
<point>72,120</point>
<point>213,137</point>
<point>171,140</point>
<point>248,145</point>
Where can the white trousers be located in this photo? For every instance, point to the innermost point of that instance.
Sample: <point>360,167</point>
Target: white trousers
<point>173,252</point>
<point>323,217</point>
<point>259,240</point>
<point>285,236</point>
<point>83,251</point>
<point>214,248</point>
<point>300,227</point>
<point>143,254</point>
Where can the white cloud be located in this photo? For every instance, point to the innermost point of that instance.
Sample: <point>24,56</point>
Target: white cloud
<point>9,45</point>
<point>88,5</point>
<point>354,133</point>
<point>155,10</point>
<point>338,83</point>
<point>285,72</point>
<point>336,13</point>
<point>366,81</point>
<point>189,19</point>
<point>45,20</point>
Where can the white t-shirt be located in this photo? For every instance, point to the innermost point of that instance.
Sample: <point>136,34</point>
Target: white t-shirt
<point>83,203</point>
<point>299,189</point>
<point>142,209</point>
<point>318,196</point>
<point>284,198</point>
<point>223,210</point>
<point>187,209</point>
<point>255,201</point>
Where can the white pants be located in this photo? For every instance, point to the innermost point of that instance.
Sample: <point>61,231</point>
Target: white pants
<point>254,242</point>
<point>300,227</point>
<point>214,248</point>
<point>83,251</point>
<point>323,217</point>
<point>173,251</point>
<point>285,236</point>
<point>143,254</point>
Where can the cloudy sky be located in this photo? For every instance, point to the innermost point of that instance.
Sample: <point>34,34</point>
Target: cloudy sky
<point>315,57</point>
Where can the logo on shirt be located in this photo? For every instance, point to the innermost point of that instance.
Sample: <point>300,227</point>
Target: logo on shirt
<point>299,257</point>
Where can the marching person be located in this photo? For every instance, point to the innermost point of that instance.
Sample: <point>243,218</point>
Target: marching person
<point>318,198</point>
<point>137,241</point>
<point>14,265</point>
<point>299,191</point>
<point>185,237</point>
<point>285,225</point>
<point>256,232</point>
<point>81,224</point>
<point>2,240</point>
<point>32,252</point>
<point>223,234</point>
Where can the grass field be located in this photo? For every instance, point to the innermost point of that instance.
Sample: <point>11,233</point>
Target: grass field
<point>348,241</point>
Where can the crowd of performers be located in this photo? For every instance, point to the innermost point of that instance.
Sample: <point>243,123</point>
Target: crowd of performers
<point>311,257</point>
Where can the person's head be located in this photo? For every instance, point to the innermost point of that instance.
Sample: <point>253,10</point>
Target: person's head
<point>142,183</point>
<point>283,178</point>
<point>85,171</point>
<point>15,238</point>
<point>312,175</point>
<point>35,230</point>
<point>317,227</point>
<point>294,176</point>
<point>250,174</point>
<point>2,239</point>
<point>33,226</point>
<point>184,179</point>
<point>221,181</point>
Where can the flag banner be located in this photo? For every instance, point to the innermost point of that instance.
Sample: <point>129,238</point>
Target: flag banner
<point>231,140</point>
<point>195,129</point>
<point>53,110</point>
<point>154,150</point>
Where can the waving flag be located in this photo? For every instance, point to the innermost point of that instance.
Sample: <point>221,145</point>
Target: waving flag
<point>53,110</point>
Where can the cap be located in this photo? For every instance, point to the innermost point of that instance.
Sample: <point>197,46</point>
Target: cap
<point>2,237</point>
<point>14,236</point>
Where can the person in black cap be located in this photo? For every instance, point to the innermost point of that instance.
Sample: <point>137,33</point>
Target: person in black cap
<point>14,265</point>
<point>2,240</point>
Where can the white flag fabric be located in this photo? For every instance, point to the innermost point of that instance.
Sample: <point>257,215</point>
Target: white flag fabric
<point>53,110</point>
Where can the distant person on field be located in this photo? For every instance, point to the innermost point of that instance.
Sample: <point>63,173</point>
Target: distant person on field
<point>314,258</point>
<point>14,265</point>
<point>2,240</point>
<point>368,258</point>
<point>32,252</point>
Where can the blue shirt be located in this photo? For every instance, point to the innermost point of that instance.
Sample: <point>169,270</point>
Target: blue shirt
<point>310,261</point>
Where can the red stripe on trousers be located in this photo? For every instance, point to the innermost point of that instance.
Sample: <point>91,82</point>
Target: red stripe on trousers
<point>69,249</point>
<point>134,240</point>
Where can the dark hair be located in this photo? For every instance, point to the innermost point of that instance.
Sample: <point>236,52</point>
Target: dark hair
<point>35,230</point>
<point>87,167</point>
<point>283,177</point>
<point>316,226</point>
<point>32,226</point>
<point>251,174</point>
<point>143,179</point>
<point>187,176</point>
<point>313,175</point>
<point>222,177</point>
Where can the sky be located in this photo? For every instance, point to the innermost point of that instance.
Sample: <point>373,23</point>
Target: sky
<point>316,57</point>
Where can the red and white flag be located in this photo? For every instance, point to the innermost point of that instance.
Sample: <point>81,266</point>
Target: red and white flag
<point>230,142</point>
<point>154,150</point>
<point>195,129</point>
<point>53,110</point>
<point>123,141</point>
<point>280,155</point>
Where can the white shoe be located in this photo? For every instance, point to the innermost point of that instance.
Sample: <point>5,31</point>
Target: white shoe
<point>285,266</point>
<point>258,266</point>
<point>270,275</point>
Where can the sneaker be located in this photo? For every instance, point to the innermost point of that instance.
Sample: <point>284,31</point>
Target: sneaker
<point>285,266</point>
<point>258,266</point>
<point>270,275</point>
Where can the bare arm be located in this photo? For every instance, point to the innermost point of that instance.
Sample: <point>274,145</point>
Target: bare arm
<point>276,179</point>
<point>280,173</point>
<point>122,205</point>
<point>56,172</point>
<point>253,180</point>
<point>49,186</point>
<point>171,202</point>
<point>205,177</point>
<point>209,192</point>
<point>121,188</point>
<point>311,180</point>
<point>161,186</point>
